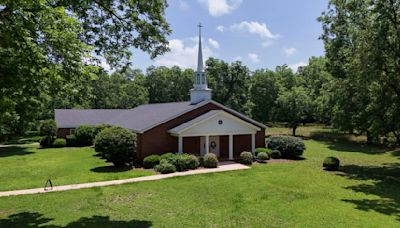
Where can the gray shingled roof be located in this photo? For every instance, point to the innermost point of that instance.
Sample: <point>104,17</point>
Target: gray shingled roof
<point>138,119</point>
<point>71,118</point>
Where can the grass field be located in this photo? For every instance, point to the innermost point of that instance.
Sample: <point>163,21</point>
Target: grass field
<point>26,166</point>
<point>364,193</point>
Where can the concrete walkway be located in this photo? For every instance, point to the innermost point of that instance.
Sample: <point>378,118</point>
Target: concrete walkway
<point>224,166</point>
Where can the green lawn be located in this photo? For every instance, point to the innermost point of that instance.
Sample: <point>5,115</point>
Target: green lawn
<point>365,193</point>
<point>27,166</point>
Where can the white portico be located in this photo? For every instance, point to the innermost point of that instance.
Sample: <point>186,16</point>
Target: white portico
<point>210,126</point>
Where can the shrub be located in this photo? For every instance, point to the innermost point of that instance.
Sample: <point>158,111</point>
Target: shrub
<point>71,140</point>
<point>117,144</point>
<point>261,149</point>
<point>151,161</point>
<point>289,146</point>
<point>165,167</point>
<point>48,128</point>
<point>246,158</point>
<point>59,143</point>
<point>46,141</point>
<point>210,161</point>
<point>98,128</point>
<point>180,162</point>
<point>168,156</point>
<point>262,156</point>
<point>192,162</point>
<point>275,154</point>
<point>331,163</point>
<point>84,135</point>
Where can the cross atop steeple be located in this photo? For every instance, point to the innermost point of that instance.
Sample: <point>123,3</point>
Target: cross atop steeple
<point>200,54</point>
<point>200,91</point>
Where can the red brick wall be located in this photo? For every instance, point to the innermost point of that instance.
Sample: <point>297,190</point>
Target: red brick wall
<point>63,132</point>
<point>224,146</point>
<point>157,140</point>
<point>191,145</point>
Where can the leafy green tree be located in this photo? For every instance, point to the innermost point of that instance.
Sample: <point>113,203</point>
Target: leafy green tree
<point>263,92</point>
<point>362,42</point>
<point>45,45</point>
<point>294,106</point>
<point>229,83</point>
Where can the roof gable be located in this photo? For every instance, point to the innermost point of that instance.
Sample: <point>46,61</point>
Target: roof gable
<point>217,122</point>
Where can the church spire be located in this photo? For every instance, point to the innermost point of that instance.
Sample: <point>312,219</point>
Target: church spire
<point>200,91</point>
<point>200,55</point>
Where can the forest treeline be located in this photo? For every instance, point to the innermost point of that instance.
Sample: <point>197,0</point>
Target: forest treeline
<point>45,53</point>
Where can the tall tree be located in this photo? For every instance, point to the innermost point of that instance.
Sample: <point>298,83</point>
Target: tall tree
<point>362,42</point>
<point>45,45</point>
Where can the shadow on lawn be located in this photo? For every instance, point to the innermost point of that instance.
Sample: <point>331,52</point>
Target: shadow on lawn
<point>34,220</point>
<point>386,186</point>
<point>110,169</point>
<point>13,151</point>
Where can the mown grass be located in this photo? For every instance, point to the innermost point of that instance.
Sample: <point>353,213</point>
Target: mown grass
<point>364,193</point>
<point>27,166</point>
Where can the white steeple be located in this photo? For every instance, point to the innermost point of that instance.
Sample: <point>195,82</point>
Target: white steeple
<point>200,91</point>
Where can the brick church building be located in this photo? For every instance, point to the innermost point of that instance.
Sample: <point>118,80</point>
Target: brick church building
<point>198,126</point>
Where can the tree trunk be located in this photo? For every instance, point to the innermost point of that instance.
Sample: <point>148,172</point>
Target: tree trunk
<point>294,130</point>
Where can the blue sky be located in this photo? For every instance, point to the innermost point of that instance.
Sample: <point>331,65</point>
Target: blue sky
<point>260,33</point>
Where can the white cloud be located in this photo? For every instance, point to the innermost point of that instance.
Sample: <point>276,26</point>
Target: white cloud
<point>213,43</point>
<point>220,7</point>
<point>254,27</point>
<point>183,53</point>
<point>290,51</point>
<point>220,28</point>
<point>183,5</point>
<point>266,44</point>
<point>253,57</point>
<point>238,58</point>
<point>295,66</point>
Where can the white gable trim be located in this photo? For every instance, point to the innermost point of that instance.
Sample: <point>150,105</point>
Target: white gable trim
<point>201,104</point>
<point>250,128</point>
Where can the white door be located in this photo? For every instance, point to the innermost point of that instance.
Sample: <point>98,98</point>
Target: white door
<point>214,145</point>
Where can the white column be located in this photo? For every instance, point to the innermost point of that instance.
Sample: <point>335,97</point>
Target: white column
<point>180,144</point>
<point>253,143</point>
<point>207,144</point>
<point>230,147</point>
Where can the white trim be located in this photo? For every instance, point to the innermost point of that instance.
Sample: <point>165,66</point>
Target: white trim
<point>253,143</point>
<point>230,147</point>
<point>201,104</point>
<point>216,134</point>
<point>180,145</point>
<point>221,112</point>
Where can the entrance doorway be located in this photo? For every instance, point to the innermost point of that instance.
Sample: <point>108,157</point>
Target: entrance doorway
<point>214,145</point>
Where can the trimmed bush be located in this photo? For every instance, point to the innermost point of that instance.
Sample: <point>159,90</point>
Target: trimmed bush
<point>192,162</point>
<point>84,135</point>
<point>246,158</point>
<point>331,163</point>
<point>180,162</point>
<point>71,140</point>
<point>289,146</point>
<point>261,149</point>
<point>262,156</point>
<point>98,128</point>
<point>48,128</point>
<point>165,167</point>
<point>59,143</point>
<point>275,154</point>
<point>46,141</point>
<point>210,161</point>
<point>117,144</point>
<point>150,161</point>
<point>168,156</point>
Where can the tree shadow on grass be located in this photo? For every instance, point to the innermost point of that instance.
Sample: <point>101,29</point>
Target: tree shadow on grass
<point>8,151</point>
<point>35,220</point>
<point>385,185</point>
<point>110,169</point>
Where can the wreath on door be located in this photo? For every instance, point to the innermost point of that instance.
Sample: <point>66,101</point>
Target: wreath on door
<point>213,145</point>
